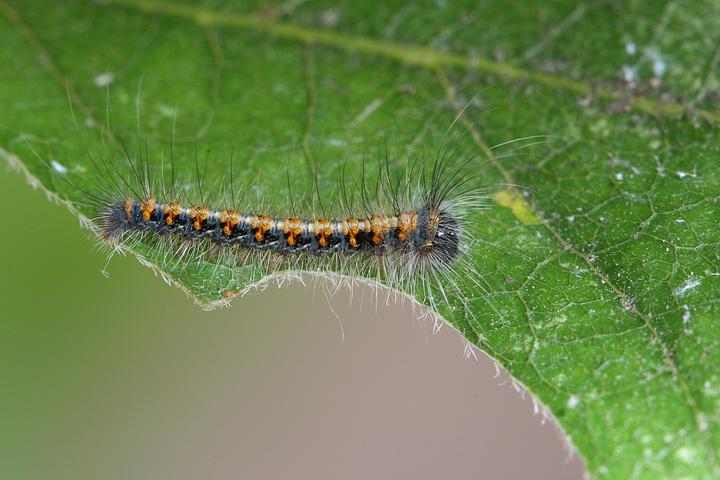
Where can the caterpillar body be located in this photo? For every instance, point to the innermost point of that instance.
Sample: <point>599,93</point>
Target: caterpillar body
<point>402,224</point>
<point>406,232</point>
<point>430,235</point>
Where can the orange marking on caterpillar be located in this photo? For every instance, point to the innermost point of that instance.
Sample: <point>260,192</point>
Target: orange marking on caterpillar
<point>353,229</point>
<point>199,215</point>
<point>379,228</point>
<point>128,207</point>
<point>432,226</point>
<point>292,228</point>
<point>322,229</point>
<point>403,225</point>
<point>262,224</point>
<point>229,219</point>
<point>171,210</point>
<point>148,208</point>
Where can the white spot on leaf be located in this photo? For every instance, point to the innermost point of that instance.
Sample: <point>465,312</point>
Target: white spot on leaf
<point>104,79</point>
<point>685,174</point>
<point>689,284</point>
<point>58,167</point>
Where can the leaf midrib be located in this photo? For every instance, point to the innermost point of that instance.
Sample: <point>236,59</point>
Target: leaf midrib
<point>428,57</point>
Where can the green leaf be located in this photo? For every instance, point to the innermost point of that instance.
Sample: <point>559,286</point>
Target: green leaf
<point>603,262</point>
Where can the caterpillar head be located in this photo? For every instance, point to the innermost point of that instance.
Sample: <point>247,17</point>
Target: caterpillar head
<point>439,236</point>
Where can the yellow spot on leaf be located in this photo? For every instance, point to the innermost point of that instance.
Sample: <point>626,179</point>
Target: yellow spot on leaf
<point>518,205</point>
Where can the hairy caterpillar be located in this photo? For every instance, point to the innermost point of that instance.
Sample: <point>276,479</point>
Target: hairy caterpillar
<point>403,224</point>
<point>422,240</point>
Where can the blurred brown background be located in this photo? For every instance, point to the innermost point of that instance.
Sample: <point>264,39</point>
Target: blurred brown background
<point>125,378</point>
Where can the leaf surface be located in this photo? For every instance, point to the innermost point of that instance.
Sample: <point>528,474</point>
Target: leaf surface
<point>602,262</point>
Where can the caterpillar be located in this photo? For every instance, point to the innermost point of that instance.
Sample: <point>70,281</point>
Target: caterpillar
<point>404,225</point>
<point>422,239</point>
